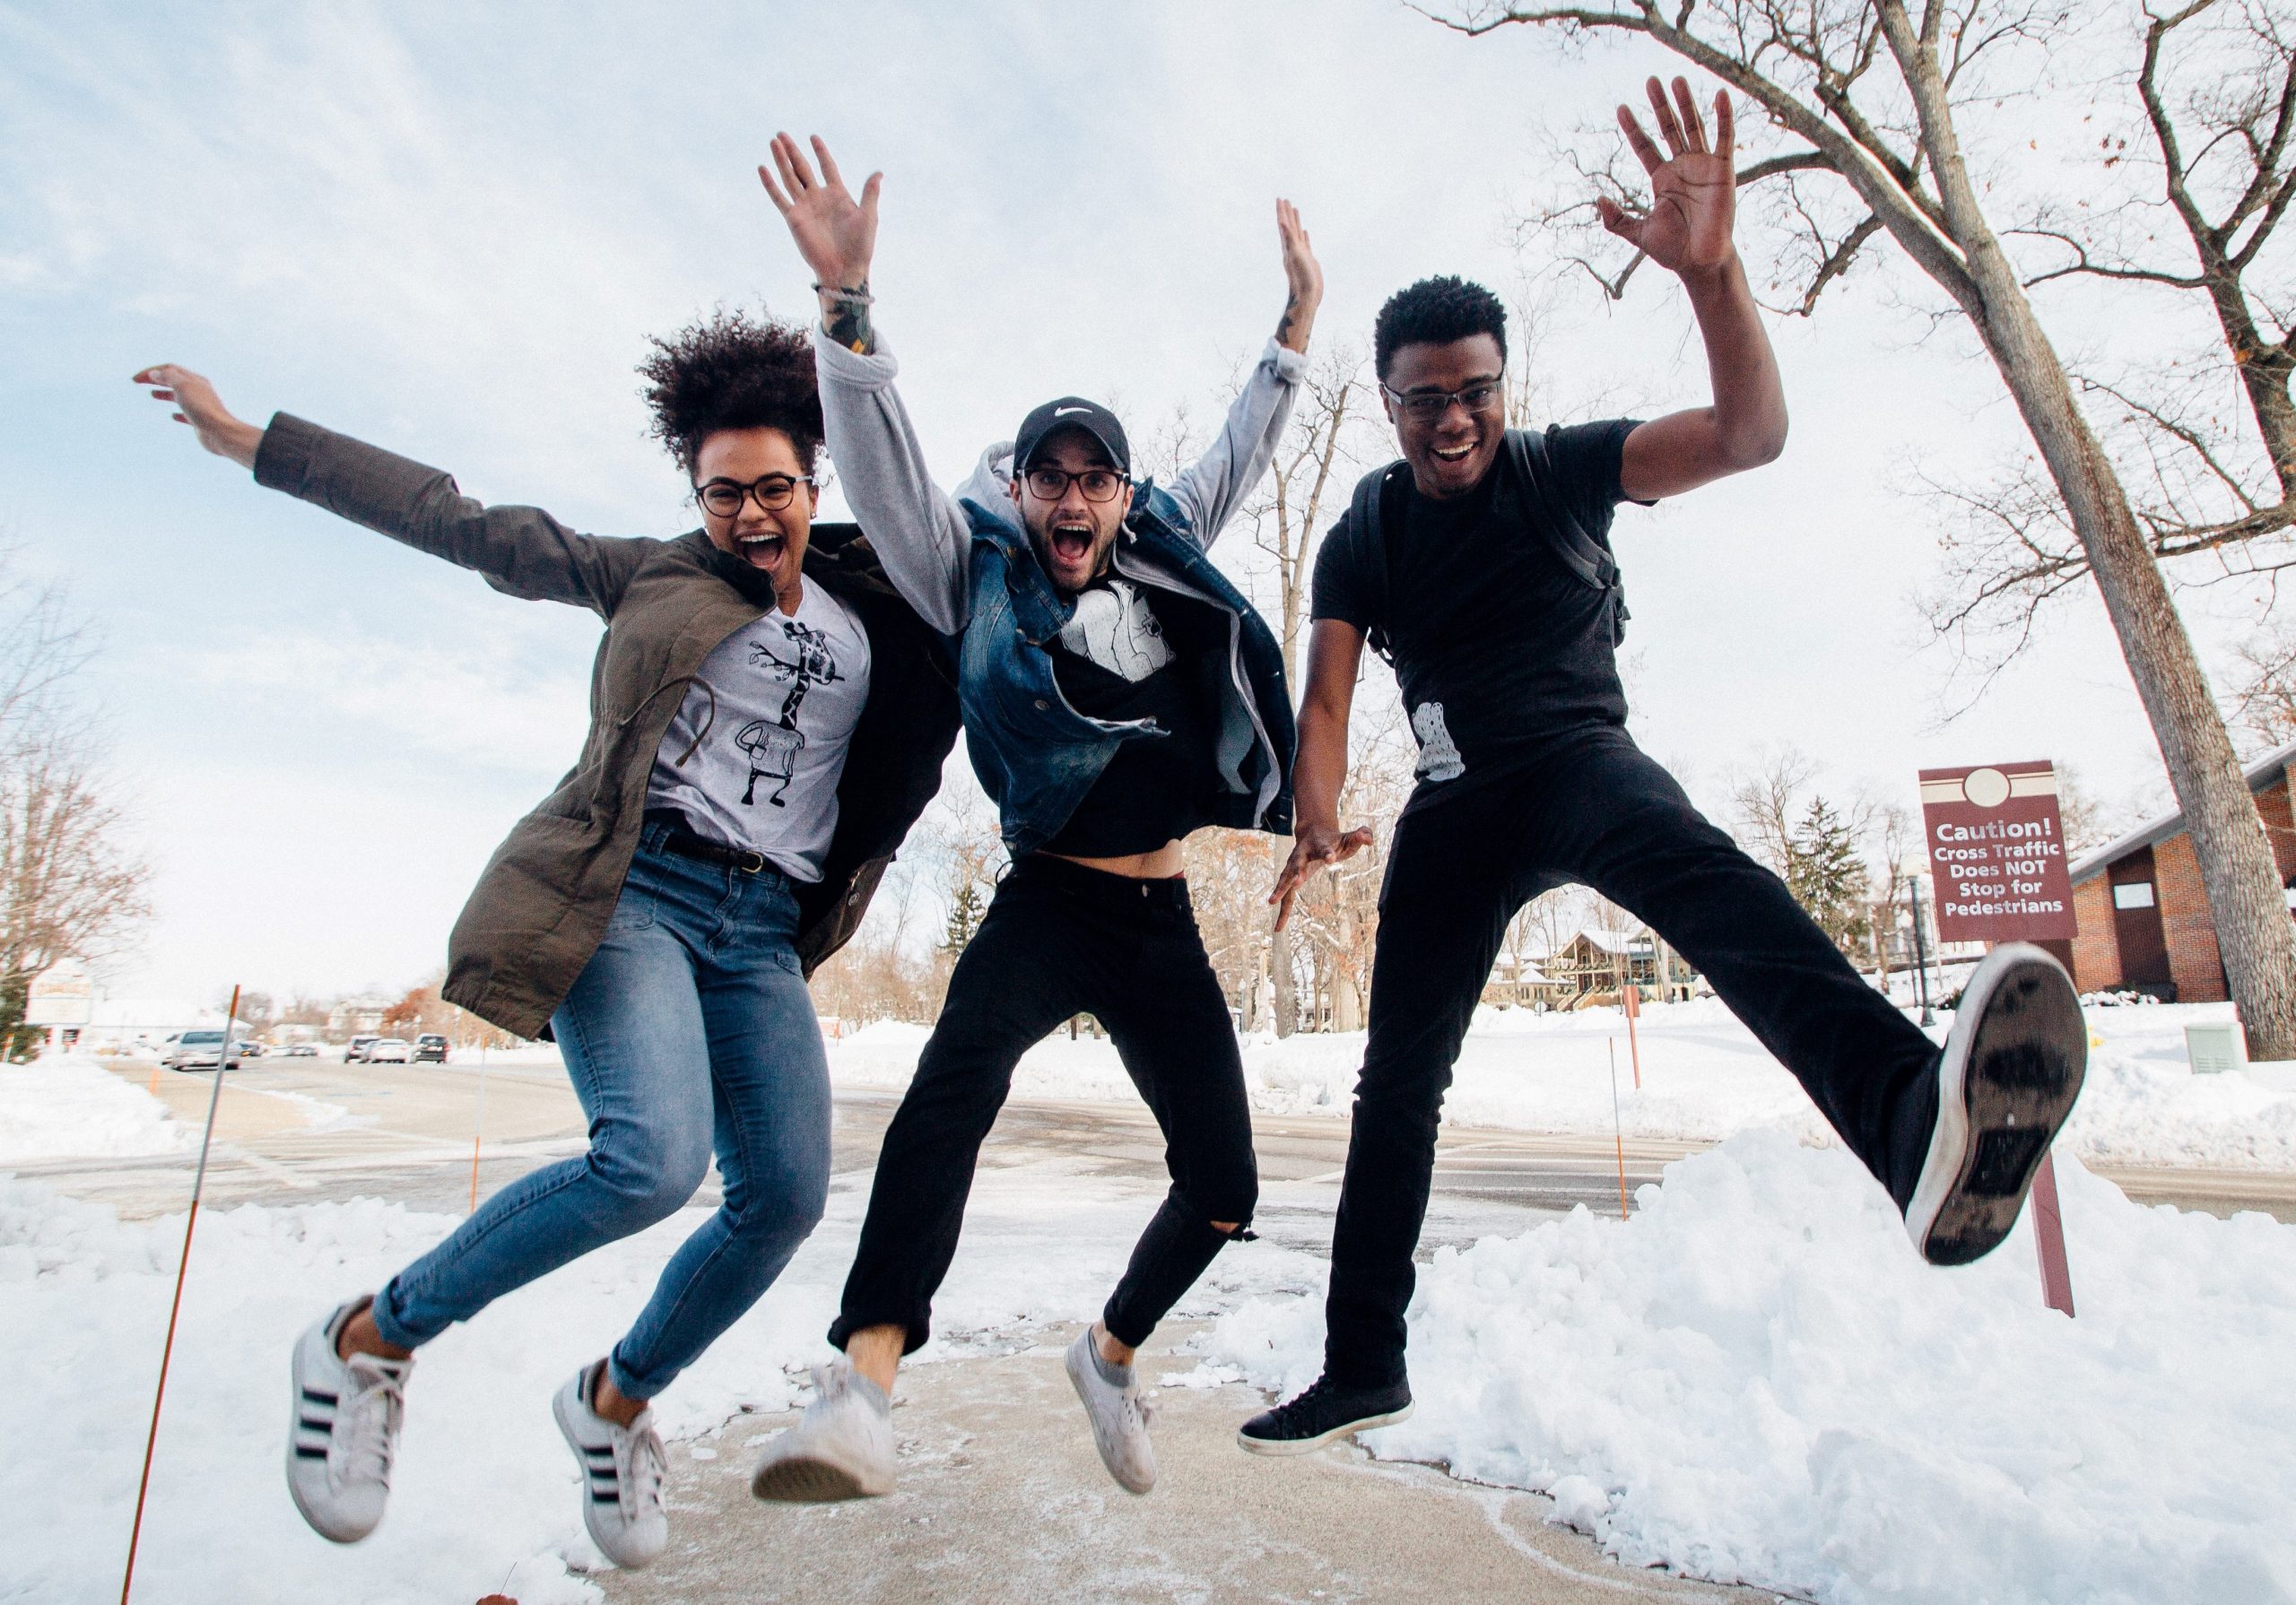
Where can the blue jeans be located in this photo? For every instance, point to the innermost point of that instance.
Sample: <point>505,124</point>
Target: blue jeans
<point>691,1029</point>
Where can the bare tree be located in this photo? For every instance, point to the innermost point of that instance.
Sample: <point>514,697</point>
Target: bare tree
<point>1306,488</point>
<point>69,887</point>
<point>2265,698</point>
<point>1866,99</point>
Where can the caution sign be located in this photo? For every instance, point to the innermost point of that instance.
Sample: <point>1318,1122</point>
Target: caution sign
<point>62,994</point>
<point>1997,852</point>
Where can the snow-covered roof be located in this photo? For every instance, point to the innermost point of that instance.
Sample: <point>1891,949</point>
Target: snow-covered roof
<point>2262,776</point>
<point>1617,941</point>
<point>1520,970</point>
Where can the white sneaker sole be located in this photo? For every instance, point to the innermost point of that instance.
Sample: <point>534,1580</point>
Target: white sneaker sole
<point>803,1478</point>
<point>1284,1446</point>
<point>2013,1066</point>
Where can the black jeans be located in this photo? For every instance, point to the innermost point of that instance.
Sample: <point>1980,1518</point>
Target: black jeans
<point>1598,812</point>
<point>1060,939</point>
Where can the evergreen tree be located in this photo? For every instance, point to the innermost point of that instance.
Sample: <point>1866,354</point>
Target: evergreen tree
<point>1828,879</point>
<point>965,911</point>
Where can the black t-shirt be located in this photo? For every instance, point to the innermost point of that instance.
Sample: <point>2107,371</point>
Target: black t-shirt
<point>1500,647</point>
<point>1156,788</point>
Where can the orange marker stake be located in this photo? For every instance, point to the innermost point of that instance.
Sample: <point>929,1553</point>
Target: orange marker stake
<point>1632,1002</point>
<point>1618,1131</point>
<point>167,1351</point>
<point>481,1131</point>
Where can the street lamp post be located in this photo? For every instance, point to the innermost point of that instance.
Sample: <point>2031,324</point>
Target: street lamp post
<point>1920,952</point>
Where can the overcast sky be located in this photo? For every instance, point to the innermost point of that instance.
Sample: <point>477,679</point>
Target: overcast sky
<point>448,230</point>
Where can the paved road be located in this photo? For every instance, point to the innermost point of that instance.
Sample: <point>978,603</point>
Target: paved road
<point>302,1129</point>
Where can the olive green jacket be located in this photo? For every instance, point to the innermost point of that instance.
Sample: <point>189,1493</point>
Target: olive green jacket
<point>541,907</point>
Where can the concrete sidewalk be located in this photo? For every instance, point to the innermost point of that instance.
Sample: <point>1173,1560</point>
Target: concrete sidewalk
<point>1004,1500</point>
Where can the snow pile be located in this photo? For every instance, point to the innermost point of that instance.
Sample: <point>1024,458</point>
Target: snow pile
<point>70,1106</point>
<point>1704,1079</point>
<point>2143,1104</point>
<point>1755,1381</point>
<point>485,1496</point>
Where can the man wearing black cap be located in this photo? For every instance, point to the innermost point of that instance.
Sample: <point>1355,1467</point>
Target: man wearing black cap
<point>1117,694</point>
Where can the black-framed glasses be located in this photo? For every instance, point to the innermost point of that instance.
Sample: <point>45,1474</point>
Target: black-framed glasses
<point>773,493</point>
<point>1428,406</point>
<point>1050,484</point>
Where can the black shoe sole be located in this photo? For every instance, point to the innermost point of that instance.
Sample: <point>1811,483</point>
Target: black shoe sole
<point>2013,1088</point>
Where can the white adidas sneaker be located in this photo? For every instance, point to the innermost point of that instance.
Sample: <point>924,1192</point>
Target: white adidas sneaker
<point>2013,1066</point>
<point>624,1469</point>
<point>344,1431</point>
<point>1119,1418</point>
<point>843,1448</point>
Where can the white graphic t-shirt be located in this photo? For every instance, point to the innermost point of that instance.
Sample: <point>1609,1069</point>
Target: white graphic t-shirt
<point>1114,627</point>
<point>789,692</point>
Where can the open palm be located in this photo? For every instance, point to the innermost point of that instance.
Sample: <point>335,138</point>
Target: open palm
<point>834,233</point>
<point>1693,189</point>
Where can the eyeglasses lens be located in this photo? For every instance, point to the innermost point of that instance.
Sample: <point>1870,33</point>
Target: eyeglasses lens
<point>724,498</point>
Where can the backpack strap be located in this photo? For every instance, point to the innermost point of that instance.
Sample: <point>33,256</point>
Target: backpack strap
<point>1369,529</point>
<point>1585,557</point>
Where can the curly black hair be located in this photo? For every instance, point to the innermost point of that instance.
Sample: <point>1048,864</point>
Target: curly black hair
<point>733,372</point>
<point>1436,312</point>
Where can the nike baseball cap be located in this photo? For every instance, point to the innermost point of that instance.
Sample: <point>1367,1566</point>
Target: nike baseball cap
<point>1072,412</point>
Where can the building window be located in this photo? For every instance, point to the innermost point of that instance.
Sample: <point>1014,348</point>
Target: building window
<point>2133,894</point>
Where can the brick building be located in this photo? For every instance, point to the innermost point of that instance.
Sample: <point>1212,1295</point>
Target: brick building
<point>2141,913</point>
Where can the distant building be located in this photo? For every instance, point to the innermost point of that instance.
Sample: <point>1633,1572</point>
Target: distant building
<point>1521,983</point>
<point>2143,915</point>
<point>357,1017</point>
<point>1605,963</point>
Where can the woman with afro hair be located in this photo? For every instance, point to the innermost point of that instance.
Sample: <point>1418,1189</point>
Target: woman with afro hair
<point>767,720</point>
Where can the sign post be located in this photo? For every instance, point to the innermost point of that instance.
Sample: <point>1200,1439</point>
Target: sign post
<point>1997,855</point>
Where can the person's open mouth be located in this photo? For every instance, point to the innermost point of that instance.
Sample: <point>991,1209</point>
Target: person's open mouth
<point>1071,543</point>
<point>762,550</point>
<point>1453,454</point>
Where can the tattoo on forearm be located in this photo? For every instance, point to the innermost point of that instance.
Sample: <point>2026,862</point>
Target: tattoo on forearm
<point>845,317</point>
<point>1284,324</point>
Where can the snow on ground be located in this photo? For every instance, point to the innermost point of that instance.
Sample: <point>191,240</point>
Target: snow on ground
<point>1704,1077</point>
<point>485,1496</point>
<point>1754,1380</point>
<point>66,1107</point>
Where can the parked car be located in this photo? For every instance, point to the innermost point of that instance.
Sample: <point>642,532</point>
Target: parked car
<point>299,1050</point>
<point>356,1052</point>
<point>197,1050</point>
<point>388,1050</point>
<point>247,1049</point>
<point>430,1048</point>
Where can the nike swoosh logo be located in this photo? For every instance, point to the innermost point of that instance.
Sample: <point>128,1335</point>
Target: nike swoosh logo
<point>1065,411</point>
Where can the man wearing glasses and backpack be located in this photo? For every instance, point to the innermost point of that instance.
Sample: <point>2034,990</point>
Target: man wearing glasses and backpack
<point>1480,564</point>
<point>1117,693</point>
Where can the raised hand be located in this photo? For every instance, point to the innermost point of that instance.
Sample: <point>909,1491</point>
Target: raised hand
<point>1303,279</point>
<point>198,405</point>
<point>835,234</point>
<point>1315,846</point>
<point>1693,191</point>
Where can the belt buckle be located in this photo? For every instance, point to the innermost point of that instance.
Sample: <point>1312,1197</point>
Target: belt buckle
<point>751,861</point>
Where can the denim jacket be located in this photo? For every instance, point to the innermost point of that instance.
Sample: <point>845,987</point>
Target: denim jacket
<point>1035,755</point>
<point>965,563</point>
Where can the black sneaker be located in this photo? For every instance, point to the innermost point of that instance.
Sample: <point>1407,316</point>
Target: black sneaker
<point>2013,1066</point>
<point>1325,1412</point>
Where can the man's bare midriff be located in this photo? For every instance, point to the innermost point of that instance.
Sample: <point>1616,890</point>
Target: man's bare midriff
<point>1163,865</point>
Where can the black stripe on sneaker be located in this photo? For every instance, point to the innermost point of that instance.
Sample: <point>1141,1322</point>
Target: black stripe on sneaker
<point>316,1425</point>
<point>305,1452</point>
<point>315,1397</point>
